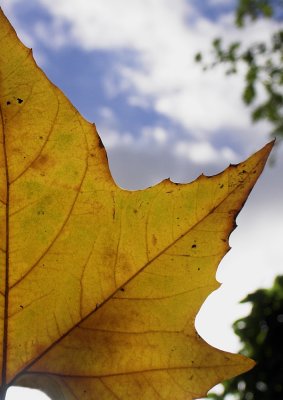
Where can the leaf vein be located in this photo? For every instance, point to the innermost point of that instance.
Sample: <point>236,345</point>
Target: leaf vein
<point>57,235</point>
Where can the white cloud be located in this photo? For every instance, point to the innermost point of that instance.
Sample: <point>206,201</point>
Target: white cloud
<point>108,115</point>
<point>55,30</point>
<point>138,101</point>
<point>157,133</point>
<point>156,139</point>
<point>163,73</point>
<point>111,24</point>
<point>116,139</point>
<point>203,152</point>
<point>14,393</point>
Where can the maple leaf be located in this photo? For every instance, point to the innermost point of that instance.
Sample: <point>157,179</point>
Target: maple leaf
<point>100,286</point>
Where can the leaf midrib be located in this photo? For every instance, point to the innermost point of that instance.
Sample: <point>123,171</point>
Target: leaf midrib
<point>7,262</point>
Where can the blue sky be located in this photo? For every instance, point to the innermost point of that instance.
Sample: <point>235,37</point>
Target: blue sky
<point>128,66</point>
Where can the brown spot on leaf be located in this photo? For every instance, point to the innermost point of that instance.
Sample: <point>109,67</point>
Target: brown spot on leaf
<point>154,240</point>
<point>77,188</point>
<point>19,100</point>
<point>43,161</point>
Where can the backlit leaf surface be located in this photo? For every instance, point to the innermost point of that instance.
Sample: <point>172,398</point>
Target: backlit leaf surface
<point>100,286</point>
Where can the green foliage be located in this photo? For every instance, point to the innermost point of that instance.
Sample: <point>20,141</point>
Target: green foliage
<point>261,333</point>
<point>255,9</point>
<point>263,62</point>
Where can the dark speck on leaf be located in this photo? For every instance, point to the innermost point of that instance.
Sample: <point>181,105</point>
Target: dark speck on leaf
<point>8,103</point>
<point>19,100</point>
<point>21,306</point>
<point>122,289</point>
<point>194,246</point>
<point>221,186</point>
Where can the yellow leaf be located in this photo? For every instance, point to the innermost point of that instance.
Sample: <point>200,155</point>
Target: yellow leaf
<point>100,286</point>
